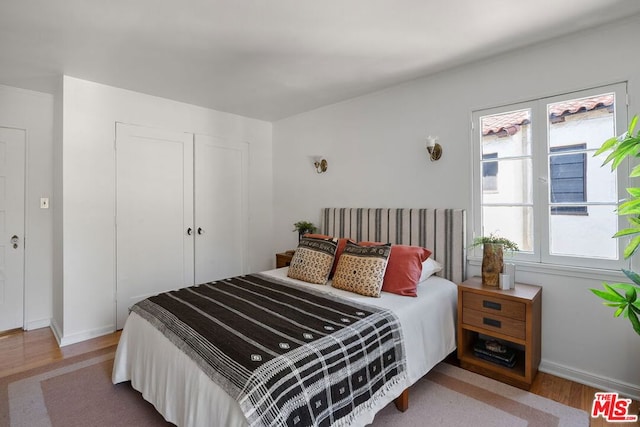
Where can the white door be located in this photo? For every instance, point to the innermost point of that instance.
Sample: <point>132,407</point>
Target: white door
<point>12,168</point>
<point>221,217</point>
<point>154,213</point>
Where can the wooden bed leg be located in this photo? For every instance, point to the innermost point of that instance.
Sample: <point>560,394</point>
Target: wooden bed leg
<point>402,401</point>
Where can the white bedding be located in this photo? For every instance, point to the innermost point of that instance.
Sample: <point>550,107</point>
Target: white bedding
<point>186,396</point>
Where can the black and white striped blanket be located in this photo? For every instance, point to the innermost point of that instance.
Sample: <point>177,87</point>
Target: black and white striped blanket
<point>288,355</point>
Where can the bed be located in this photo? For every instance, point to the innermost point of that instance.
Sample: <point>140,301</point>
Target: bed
<point>188,394</point>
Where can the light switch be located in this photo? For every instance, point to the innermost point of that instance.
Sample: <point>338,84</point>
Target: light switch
<point>44,203</point>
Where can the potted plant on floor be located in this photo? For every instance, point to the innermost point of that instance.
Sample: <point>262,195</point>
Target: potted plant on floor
<point>493,248</point>
<point>303,227</point>
<point>626,301</point>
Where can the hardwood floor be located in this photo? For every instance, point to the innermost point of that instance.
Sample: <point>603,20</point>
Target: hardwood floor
<point>20,351</point>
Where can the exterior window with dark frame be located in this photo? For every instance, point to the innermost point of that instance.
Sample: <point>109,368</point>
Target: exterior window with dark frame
<point>490,172</point>
<point>568,173</point>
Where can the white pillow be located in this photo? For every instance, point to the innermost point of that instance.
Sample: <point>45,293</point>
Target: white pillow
<point>429,267</point>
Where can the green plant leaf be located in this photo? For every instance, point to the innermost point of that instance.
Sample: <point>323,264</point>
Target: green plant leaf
<point>628,206</point>
<point>612,304</point>
<point>607,145</point>
<point>631,247</point>
<point>635,172</point>
<point>631,294</point>
<point>633,317</point>
<point>626,232</point>
<point>619,311</point>
<point>630,291</point>
<point>612,290</point>
<point>633,276</point>
<point>634,191</point>
<point>632,124</point>
<point>609,296</point>
<point>634,220</point>
<point>613,155</point>
<point>623,152</point>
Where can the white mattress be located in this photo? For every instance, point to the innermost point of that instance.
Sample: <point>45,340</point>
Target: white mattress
<point>185,396</point>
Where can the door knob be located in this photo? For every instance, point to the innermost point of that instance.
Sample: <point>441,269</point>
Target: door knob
<point>14,241</point>
<point>200,230</point>
<point>189,231</point>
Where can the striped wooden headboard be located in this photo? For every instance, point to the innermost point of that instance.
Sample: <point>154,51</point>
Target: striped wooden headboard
<point>442,231</point>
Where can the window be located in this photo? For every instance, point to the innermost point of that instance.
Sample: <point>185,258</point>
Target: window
<point>568,178</point>
<point>537,183</point>
<point>489,172</point>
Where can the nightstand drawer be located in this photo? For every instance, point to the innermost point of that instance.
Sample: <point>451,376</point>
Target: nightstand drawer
<point>284,259</point>
<point>494,323</point>
<point>495,306</point>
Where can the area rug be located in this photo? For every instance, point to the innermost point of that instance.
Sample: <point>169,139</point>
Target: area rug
<point>78,392</point>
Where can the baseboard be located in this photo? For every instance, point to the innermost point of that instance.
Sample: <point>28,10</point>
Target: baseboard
<point>64,340</point>
<point>37,324</point>
<point>57,333</point>
<point>605,384</point>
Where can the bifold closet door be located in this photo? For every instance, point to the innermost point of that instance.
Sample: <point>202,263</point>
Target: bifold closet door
<point>221,217</point>
<point>154,213</point>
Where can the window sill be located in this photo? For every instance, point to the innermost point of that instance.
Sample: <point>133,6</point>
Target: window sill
<point>562,270</point>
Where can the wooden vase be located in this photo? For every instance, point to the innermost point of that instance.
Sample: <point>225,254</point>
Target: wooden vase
<point>492,262</point>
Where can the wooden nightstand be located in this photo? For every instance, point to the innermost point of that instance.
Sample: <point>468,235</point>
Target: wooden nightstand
<point>513,317</point>
<point>284,259</point>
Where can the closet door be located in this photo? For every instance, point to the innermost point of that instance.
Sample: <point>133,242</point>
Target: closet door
<point>221,218</point>
<point>154,213</point>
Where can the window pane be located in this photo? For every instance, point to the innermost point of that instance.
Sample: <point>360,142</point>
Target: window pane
<point>507,134</point>
<point>587,121</point>
<point>567,174</point>
<point>602,183</point>
<point>513,222</point>
<point>489,172</point>
<point>507,181</point>
<point>587,235</point>
<point>579,177</point>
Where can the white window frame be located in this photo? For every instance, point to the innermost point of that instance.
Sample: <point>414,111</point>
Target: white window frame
<point>541,185</point>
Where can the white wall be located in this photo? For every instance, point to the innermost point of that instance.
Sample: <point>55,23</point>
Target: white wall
<point>375,148</point>
<point>90,111</point>
<point>33,111</point>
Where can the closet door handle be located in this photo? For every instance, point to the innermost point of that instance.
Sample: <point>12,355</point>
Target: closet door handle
<point>189,231</point>
<point>200,230</point>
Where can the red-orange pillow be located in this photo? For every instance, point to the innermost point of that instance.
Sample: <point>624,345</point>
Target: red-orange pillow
<point>342,243</point>
<point>404,269</point>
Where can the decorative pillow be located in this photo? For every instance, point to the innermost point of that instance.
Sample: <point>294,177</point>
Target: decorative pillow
<point>313,260</point>
<point>361,269</point>
<point>342,243</point>
<point>429,267</point>
<point>404,268</point>
<point>317,236</point>
<point>371,243</point>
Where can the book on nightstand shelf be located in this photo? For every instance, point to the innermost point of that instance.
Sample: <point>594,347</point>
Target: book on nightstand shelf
<point>495,352</point>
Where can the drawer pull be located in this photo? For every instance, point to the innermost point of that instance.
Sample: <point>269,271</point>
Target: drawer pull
<point>492,322</point>
<point>492,305</point>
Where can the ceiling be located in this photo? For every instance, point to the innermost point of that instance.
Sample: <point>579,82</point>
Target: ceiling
<point>270,59</point>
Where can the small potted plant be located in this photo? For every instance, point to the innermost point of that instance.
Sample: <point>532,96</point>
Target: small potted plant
<point>303,227</point>
<point>493,247</point>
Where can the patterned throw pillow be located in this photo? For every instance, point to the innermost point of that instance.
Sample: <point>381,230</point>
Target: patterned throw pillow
<point>361,269</point>
<point>313,260</point>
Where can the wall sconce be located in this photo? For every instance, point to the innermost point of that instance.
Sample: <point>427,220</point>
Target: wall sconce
<point>320,164</point>
<point>434,149</point>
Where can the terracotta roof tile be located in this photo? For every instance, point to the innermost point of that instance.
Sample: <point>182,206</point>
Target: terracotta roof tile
<point>511,122</point>
<point>508,121</point>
